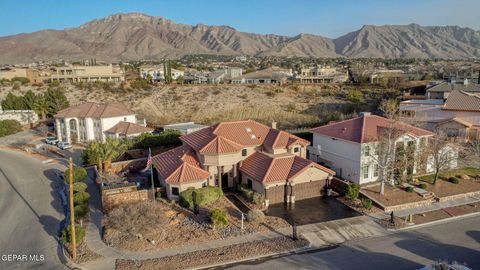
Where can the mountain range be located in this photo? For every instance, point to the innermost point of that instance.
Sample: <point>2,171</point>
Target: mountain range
<point>136,36</point>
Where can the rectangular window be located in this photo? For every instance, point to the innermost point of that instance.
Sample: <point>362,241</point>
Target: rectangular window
<point>365,171</point>
<point>367,151</point>
<point>295,150</point>
<point>244,152</point>
<point>204,184</point>
<point>375,170</point>
<point>175,191</point>
<point>249,183</point>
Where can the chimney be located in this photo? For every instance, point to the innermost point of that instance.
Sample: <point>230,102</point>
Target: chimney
<point>362,114</point>
<point>465,82</point>
<point>273,124</point>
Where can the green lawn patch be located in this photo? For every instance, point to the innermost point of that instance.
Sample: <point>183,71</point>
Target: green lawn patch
<point>470,171</point>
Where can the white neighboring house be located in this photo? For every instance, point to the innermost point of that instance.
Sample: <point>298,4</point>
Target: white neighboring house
<point>348,147</point>
<point>157,73</point>
<point>95,121</point>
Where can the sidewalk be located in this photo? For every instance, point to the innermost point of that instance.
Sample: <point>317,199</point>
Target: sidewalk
<point>428,208</point>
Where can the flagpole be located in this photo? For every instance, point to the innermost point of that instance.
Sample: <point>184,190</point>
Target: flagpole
<point>151,172</point>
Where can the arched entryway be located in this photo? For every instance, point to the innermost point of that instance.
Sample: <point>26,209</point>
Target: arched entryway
<point>73,125</point>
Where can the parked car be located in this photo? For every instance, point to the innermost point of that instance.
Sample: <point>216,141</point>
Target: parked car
<point>51,140</point>
<point>64,145</point>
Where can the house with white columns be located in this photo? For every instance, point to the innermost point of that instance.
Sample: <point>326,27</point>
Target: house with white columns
<point>95,121</point>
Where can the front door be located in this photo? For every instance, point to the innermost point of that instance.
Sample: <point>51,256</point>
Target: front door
<point>225,181</point>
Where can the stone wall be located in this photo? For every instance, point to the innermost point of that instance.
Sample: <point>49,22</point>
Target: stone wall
<point>25,117</point>
<point>134,165</point>
<point>117,196</point>
<point>459,196</point>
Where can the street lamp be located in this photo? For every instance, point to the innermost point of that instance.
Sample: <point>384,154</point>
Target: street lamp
<point>72,209</point>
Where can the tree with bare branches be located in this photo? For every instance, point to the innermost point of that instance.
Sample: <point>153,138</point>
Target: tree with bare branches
<point>441,154</point>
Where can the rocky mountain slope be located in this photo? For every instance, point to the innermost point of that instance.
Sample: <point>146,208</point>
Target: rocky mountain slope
<point>136,36</point>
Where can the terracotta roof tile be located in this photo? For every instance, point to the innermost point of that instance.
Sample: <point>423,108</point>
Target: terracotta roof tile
<point>270,169</point>
<point>462,101</point>
<point>127,128</point>
<point>94,110</point>
<point>179,165</point>
<point>365,129</point>
<point>221,145</point>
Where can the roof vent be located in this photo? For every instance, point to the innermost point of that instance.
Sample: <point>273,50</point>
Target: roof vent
<point>248,129</point>
<point>364,114</point>
<point>253,136</point>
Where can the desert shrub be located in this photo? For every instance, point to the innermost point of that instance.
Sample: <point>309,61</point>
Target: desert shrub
<point>409,189</point>
<point>160,194</point>
<point>366,203</point>
<point>81,210</point>
<point>22,80</point>
<point>8,127</point>
<point>355,96</point>
<point>79,234</point>
<point>257,198</point>
<point>353,190</point>
<point>422,185</point>
<point>216,92</point>
<point>255,216</point>
<point>454,180</point>
<point>219,218</point>
<point>140,84</point>
<point>80,198</point>
<point>79,187</point>
<point>205,196</point>
<point>54,83</point>
<point>16,86</point>
<point>79,174</point>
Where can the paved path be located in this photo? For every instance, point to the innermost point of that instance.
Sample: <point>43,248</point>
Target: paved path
<point>30,212</point>
<point>457,240</point>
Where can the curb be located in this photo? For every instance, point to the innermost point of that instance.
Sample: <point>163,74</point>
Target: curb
<point>440,221</point>
<point>66,259</point>
<point>278,254</point>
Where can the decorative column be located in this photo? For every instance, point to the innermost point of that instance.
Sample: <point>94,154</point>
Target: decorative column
<point>219,176</point>
<point>58,128</point>
<point>67,130</point>
<point>287,193</point>
<point>266,197</point>
<point>292,193</point>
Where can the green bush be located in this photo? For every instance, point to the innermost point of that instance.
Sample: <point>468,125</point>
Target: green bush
<point>9,127</point>
<point>367,203</point>
<point>79,234</point>
<point>454,180</point>
<point>250,195</point>
<point>255,216</point>
<point>22,80</point>
<point>79,187</point>
<point>353,190</point>
<point>168,138</point>
<point>80,198</point>
<point>81,210</point>
<point>79,174</point>
<point>205,196</point>
<point>355,96</point>
<point>160,194</point>
<point>257,198</point>
<point>219,218</point>
<point>409,189</point>
<point>422,186</point>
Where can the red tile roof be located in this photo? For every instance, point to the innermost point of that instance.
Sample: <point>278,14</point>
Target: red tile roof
<point>179,165</point>
<point>127,128</point>
<point>269,169</point>
<point>462,101</point>
<point>365,129</point>
<point>94,110</point>
<point>232,136</point>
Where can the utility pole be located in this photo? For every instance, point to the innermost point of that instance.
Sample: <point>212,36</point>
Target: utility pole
<point>72,212</point>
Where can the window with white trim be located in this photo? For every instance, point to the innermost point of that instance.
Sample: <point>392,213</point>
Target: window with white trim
<point>365,171</point>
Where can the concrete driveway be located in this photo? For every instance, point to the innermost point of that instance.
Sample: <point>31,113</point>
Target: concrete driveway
<point>30,213</point>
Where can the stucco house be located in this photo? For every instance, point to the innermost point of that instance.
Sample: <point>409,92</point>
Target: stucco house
<point>349,147</point>
<point>95,121</point>
<point>267,160</point>
<point>458,116</point>
<point>271,75</point>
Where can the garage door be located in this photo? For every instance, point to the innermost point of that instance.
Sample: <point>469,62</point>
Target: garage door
<point>309,190</point>
<point>276,194</point>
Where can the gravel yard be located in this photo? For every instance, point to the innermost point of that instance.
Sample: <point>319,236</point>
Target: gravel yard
<point>160,225</point>
<point>216,255</point>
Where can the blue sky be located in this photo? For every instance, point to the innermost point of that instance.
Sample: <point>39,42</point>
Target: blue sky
<point>287,17</point>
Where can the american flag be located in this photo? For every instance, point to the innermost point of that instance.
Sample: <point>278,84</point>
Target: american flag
<point>149,160</point>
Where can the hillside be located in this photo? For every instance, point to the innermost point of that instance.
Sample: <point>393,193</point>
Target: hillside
<point>136,36</point>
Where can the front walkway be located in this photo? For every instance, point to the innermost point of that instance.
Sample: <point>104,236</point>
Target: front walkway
<point>319,234</point>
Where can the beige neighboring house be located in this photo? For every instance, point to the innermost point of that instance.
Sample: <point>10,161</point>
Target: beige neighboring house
<point>379,74</point>
<point>107,73</point>
<point>94,121</point>
<point>35,76</point>
<point>267,160</point>
<point>272,75</point>
<point>322,74</point>
<point>458,116</point>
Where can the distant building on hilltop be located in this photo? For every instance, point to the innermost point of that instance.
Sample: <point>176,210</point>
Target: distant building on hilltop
<point>106,73</point>
<point>271,75</point>
<point>320,74</point>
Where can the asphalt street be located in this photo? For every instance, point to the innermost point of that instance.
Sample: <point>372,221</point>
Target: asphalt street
<point>451,241</point>
<point>30,213</point>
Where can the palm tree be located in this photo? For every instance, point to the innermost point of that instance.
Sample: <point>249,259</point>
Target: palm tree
<point>42,107</point>
<point>112,148</point>
<point>94,154</point>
